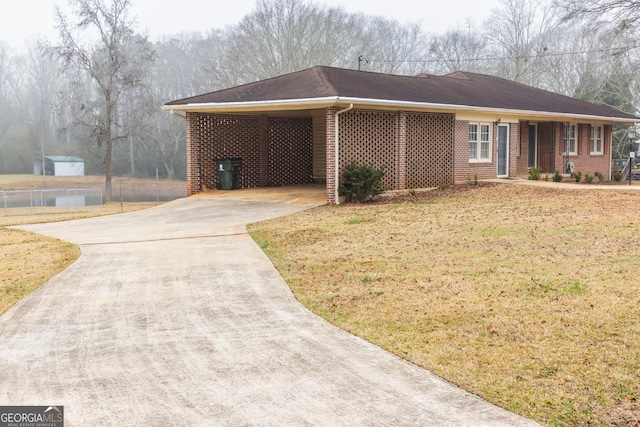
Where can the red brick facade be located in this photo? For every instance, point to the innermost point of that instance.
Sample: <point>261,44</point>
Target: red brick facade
<point>550,149</point>
<point>467,171</point>
<point>418,150</point>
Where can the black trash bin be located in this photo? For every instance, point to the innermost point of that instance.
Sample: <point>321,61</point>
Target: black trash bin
<point>228,173</point>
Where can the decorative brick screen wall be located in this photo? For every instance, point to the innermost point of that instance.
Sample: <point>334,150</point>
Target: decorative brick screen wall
<point>429,149</point>
<point>416,148</point>
<point>369,137</point>
<point>274,150</point>
<point>290,151</point>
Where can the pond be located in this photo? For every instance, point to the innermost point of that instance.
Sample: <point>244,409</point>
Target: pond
<point>71,199</point>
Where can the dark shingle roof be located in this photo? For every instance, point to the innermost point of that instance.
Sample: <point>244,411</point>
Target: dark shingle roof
<point>456,89</point>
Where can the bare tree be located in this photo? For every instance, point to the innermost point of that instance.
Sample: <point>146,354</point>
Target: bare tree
<point>460,50</point>
<point>519,32</point>
<point>282,36</point>
<point>621,12</point>
<point>119,59</point>
<point>5,71</point>
<point>41,87</point>
<point>392,47</point>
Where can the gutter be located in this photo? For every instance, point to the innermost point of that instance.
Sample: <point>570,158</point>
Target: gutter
<point>336,167</point>
<point>324,102</point>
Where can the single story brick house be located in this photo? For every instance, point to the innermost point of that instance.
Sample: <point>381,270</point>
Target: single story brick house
<point>427,130</point>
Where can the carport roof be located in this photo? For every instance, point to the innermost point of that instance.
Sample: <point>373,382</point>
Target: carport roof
<point>322,86</point>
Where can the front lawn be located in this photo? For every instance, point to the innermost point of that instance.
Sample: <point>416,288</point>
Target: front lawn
<point>526,296</point>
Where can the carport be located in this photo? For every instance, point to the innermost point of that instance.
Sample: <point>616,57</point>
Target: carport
<point>279,149</point>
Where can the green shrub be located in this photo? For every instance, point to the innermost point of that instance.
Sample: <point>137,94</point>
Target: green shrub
<point>577,176</point>
<point>534,174</point>
<point>557,177</point>
<point>617,176</point>
<point>588,178</point>
<point>600,177</point>
<point>361,183</point>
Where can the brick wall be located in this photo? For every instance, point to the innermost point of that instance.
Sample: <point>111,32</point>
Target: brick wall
<point>418,150</point>
<point>522,161</point>
<point>274,150</point>
<point>415,148</point>
<point>547,141</point>
<point>430,150</point>
<point>369,137</point>
<point>290,151</point>
<point>193,164</point>
<point>466,171</point>
<point>584,161</point>
<point>513,154</point>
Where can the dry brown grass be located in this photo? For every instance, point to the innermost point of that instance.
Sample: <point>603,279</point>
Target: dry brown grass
<point>28,261</point>
<point>526,296</point>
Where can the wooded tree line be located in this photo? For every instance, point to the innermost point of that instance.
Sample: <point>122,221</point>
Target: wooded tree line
<point>95,92</point>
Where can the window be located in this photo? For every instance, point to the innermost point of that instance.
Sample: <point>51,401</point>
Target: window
<point>570,139</point>
<point>479,142</point>
<point>596,139</point>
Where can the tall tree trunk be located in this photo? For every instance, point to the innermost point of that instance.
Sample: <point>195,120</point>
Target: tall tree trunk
<point>170,168</point>
<point>133,160</point>
<point>108,149</point>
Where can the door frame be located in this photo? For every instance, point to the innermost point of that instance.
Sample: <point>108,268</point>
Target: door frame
<point>506,174</point>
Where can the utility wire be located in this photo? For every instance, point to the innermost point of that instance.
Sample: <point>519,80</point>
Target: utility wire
<point>618,51</point>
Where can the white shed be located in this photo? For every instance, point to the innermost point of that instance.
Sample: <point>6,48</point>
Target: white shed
<point>59,166</point>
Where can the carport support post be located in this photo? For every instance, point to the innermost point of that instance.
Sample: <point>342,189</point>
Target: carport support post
<point>264,150</point>
<point>401,150</point>
<point>194,185</point>
<point>331,154</point>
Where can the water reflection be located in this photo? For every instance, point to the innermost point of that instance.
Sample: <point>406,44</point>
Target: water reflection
<point>74,198</point>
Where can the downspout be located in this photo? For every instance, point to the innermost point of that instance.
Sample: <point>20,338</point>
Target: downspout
<point>336,172</point>
<point>178,115</point>
<point>610,140</point>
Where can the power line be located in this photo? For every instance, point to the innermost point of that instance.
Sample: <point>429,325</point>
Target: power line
<point>617,51</point>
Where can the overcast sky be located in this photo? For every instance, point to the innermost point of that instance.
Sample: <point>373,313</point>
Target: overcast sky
<point>23,20</point>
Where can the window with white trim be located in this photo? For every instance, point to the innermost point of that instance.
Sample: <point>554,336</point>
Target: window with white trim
<point>596,139</point>
<point>479,142</point>
<point>570,139</point>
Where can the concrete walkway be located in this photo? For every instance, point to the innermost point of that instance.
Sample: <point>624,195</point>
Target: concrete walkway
<point>635,185</point>
<point>174,316</point>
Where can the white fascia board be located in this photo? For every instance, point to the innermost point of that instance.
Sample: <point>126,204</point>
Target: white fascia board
<point>283,104</point>
<point>324,102</point>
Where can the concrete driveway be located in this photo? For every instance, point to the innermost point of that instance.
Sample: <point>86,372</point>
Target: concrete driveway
<point>173,316</point>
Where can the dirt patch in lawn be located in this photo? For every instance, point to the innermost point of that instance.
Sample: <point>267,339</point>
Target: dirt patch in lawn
<point>526,296</point>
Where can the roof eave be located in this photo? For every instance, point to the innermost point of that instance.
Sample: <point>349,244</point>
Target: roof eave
<point>324,102</point>
<point>256,106</point>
